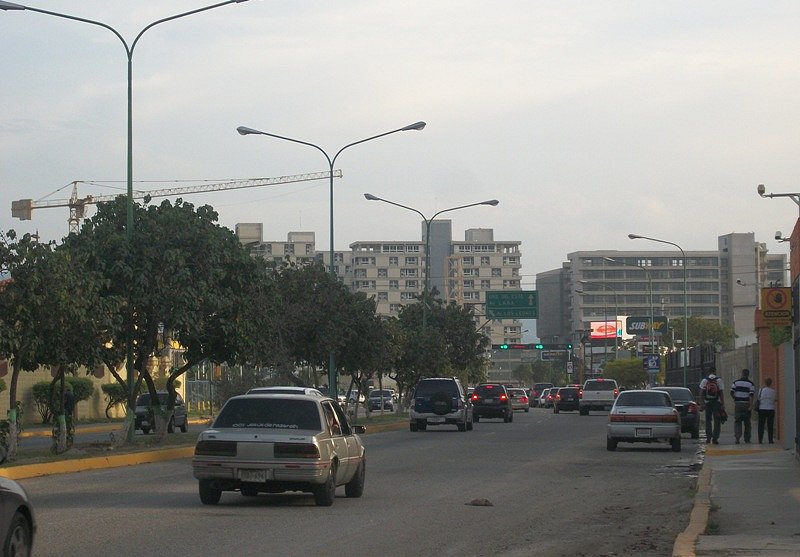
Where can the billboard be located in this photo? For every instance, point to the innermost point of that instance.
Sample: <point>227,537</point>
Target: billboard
<point>606,329</point>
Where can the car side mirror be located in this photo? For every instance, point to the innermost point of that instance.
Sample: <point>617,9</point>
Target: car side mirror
<point>359,429</point>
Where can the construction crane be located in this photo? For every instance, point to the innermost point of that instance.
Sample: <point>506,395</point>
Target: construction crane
<point>23,208</point>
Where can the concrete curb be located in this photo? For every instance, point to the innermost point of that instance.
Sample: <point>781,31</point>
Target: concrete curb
<point>24,471</point>
<point>100,428</point>
<point>686,541</point>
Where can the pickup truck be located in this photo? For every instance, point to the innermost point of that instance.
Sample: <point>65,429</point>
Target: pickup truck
<point>597,394</point>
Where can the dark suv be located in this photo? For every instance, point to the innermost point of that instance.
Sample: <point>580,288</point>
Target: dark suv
<point>567,398</point>
<point>439,401</point>
<point>491,400</point>
<point>144,414</point>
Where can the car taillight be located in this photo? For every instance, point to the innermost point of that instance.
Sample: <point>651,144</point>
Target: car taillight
<point>503,397</point>
<point>616,392</point>
<point>693,408</point>
<point>215,448</point>
<point>296,450</point>
<point>475,398</point>
<point>523,399</point>
<point>580,393</point>
<point>646,418</point>
<point>558,396</point>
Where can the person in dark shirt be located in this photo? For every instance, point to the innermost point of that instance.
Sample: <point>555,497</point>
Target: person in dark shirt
<point>743,392</point>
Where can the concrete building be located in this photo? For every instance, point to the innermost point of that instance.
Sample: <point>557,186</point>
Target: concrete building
<point>393,272</point>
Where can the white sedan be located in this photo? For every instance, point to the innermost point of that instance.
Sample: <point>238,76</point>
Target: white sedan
<point>643,417</point>
<point>272,443</point>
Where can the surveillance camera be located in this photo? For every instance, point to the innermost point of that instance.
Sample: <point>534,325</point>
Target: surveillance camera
<point>761,189</point>
<point>778,235</point>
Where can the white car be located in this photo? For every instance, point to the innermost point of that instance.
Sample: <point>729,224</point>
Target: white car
<point>643,416</point>
<point>272,443</point>
<point>286,390</point>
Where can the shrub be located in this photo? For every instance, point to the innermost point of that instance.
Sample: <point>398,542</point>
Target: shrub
<point>115,394</point>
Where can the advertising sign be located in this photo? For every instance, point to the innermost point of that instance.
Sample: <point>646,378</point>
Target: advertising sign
<point>641,325</point>
<point>606,329</point>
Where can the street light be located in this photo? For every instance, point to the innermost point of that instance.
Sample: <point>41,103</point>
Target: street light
<point>649,290</point>
<point>793,196</point>
<point>685,300</point>
<point>607,286</point>
<point>9,6</point>
<point>428,221</point>
<point>243,130</point>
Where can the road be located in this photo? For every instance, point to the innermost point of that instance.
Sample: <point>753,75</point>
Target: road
<point>553,487</point>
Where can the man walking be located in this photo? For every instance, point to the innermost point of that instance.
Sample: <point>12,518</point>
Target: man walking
<point>742,391</point>
<point>712,401</point>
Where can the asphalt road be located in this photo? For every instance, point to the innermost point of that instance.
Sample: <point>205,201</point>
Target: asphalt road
<point>554,489</point>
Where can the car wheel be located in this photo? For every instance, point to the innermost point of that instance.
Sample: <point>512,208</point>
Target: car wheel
<point>476,418</point>
<point>185,425</point>
<point>555,409</point>
<point>325,494</point>
<point>171,425</point>
<point>527,410</point>
<point>584,411</point>
<point>462,426</point>
<point>209,495</point>
<point>355,487</point>
<point>611,444</point>
<point>469,426</point>
<point>412,426</point>
<point>696,432</point>
<point>676,444</point>
<point>19,539</point>
<point>423,425</point>
<point>248,491</point>
<point>511,416</point>
<point>146,430</point>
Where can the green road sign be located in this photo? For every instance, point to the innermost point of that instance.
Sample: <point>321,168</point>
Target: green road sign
<point>512,304</point>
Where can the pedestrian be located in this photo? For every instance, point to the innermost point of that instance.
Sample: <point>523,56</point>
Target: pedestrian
<point>713,403</point>
<point>743,393</point>
<point>766,410</point>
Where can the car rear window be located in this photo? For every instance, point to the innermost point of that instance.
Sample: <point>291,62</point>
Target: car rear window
<point>654,398</point>
<point>678,394</point>
<point>269,413</point>
<point>378,394</point>
<point>431,386</point>
<point>595,385</point>
<point>486,390</point>
<point>144,400</point>
<point>567,390</point>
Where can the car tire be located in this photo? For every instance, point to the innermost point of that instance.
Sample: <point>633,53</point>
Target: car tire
<point>676,444</point>
<point>422,425</point>
<point>555,409</point>
<point>355,487</point>
<point>185,425</point>
<point>412,426</point>
<point>325,494</point>
<point>171,425</point>
<point>696,432</point>
<point>209,495</point>
<point>527,410</point>
<point>248,491</point>
<point>584,411</point>
<point>19,538</point>
<point>469,426</point>
<point>611,444</point>
<point>476,418</point>
<point>462,426</point>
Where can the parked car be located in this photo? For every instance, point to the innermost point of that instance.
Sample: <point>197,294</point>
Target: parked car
<point>519,399</point>
<point>272,443</point>
<point>543,398</point>
<point>17,520</point>
<point>286,390</point>
<point>567,398</point>
<point>643,416</point>
<point>491,400</point>
<point>144,414</point>
<point>684,403</point>
<point>381,397</point>
<point>440,401</point>
<point>536,392</point>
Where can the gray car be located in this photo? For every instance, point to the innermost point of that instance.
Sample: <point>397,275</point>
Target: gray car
<point>643,416</point>
<point>17,522</point>
<point>271,443</point>
<point>144,414</point>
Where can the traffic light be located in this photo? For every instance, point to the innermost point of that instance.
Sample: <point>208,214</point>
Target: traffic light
<point>504,347</point>
<point>539,346</point>
<point>569,346</point>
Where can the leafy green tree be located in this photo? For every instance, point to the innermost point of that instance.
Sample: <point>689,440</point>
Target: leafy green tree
<point>627,372</point>
<point>704,331</point>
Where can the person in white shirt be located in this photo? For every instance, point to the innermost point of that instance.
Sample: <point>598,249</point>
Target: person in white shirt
<point>766,410</point>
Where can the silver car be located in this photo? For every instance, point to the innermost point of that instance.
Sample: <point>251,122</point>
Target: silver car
<point>643,417</point>
<point>17,522</point>
<point>272,443</point>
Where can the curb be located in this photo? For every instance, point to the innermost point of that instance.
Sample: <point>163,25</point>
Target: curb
<point>95,428</point>
<point>698,519</point>
<point>25,471</point>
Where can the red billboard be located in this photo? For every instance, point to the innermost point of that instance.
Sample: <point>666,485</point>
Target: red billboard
<point>606,329</point>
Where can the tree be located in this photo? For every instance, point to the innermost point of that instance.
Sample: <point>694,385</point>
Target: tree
<point>627,372</point>
<point>704,331</point>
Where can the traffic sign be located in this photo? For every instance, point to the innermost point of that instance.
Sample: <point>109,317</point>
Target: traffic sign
<point>512,304</point>
<point>776,306</point>
<point>651,363</point>
<point>550,355</point>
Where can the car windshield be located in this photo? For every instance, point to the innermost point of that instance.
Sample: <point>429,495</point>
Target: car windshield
<point>652,398</point>
<point>678,394</point>
<point>431,386</point>
<point>379,394</point>
<point>269,413</point>
<point>600,386</point>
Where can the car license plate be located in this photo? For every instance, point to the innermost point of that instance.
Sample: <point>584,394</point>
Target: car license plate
<point>489,400</point>
<point>255,476</point>
<point>435,420</point>
<point>643,432</point>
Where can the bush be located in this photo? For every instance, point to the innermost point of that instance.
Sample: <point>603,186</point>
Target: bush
<point>47,402</point>
<point>115,394</point>
<point>44,404</point>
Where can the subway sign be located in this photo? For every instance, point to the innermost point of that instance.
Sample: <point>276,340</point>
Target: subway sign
<point>641,325</point>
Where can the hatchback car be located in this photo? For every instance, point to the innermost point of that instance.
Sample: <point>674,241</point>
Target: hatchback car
<point>268,443</point>
<point>567,398</point>
<point>381,398</point>
<point>519,399</point>
<point>643,416</point>
<point>491,400</point>
<point>689,410</point>
<point>17,522</point>
<point>144,413</point>
<point>440,401</point>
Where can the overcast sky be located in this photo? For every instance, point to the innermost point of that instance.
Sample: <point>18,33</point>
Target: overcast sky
<point>587,120</point>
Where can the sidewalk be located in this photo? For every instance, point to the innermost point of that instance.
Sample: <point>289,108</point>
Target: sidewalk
<point>747,503</point>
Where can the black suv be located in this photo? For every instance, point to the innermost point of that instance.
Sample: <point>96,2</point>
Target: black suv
<point>144,413</point>
<point>439,401</point>
<point>567,398</point>
<point>491,400</point>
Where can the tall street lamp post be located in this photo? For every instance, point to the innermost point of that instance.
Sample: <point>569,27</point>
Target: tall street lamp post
<point>243,130</point>
<point>649,291</point>
<point>129,48</point>
<point>428,221</point>
<point>685,299</point>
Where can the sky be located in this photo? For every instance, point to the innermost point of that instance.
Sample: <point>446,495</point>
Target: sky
<point>586,120</point>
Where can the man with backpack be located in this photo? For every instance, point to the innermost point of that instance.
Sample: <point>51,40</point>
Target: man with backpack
<point>743,392</point>
<point>713,403</point>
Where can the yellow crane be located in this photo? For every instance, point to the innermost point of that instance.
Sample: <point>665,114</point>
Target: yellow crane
<point>23,208</point>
